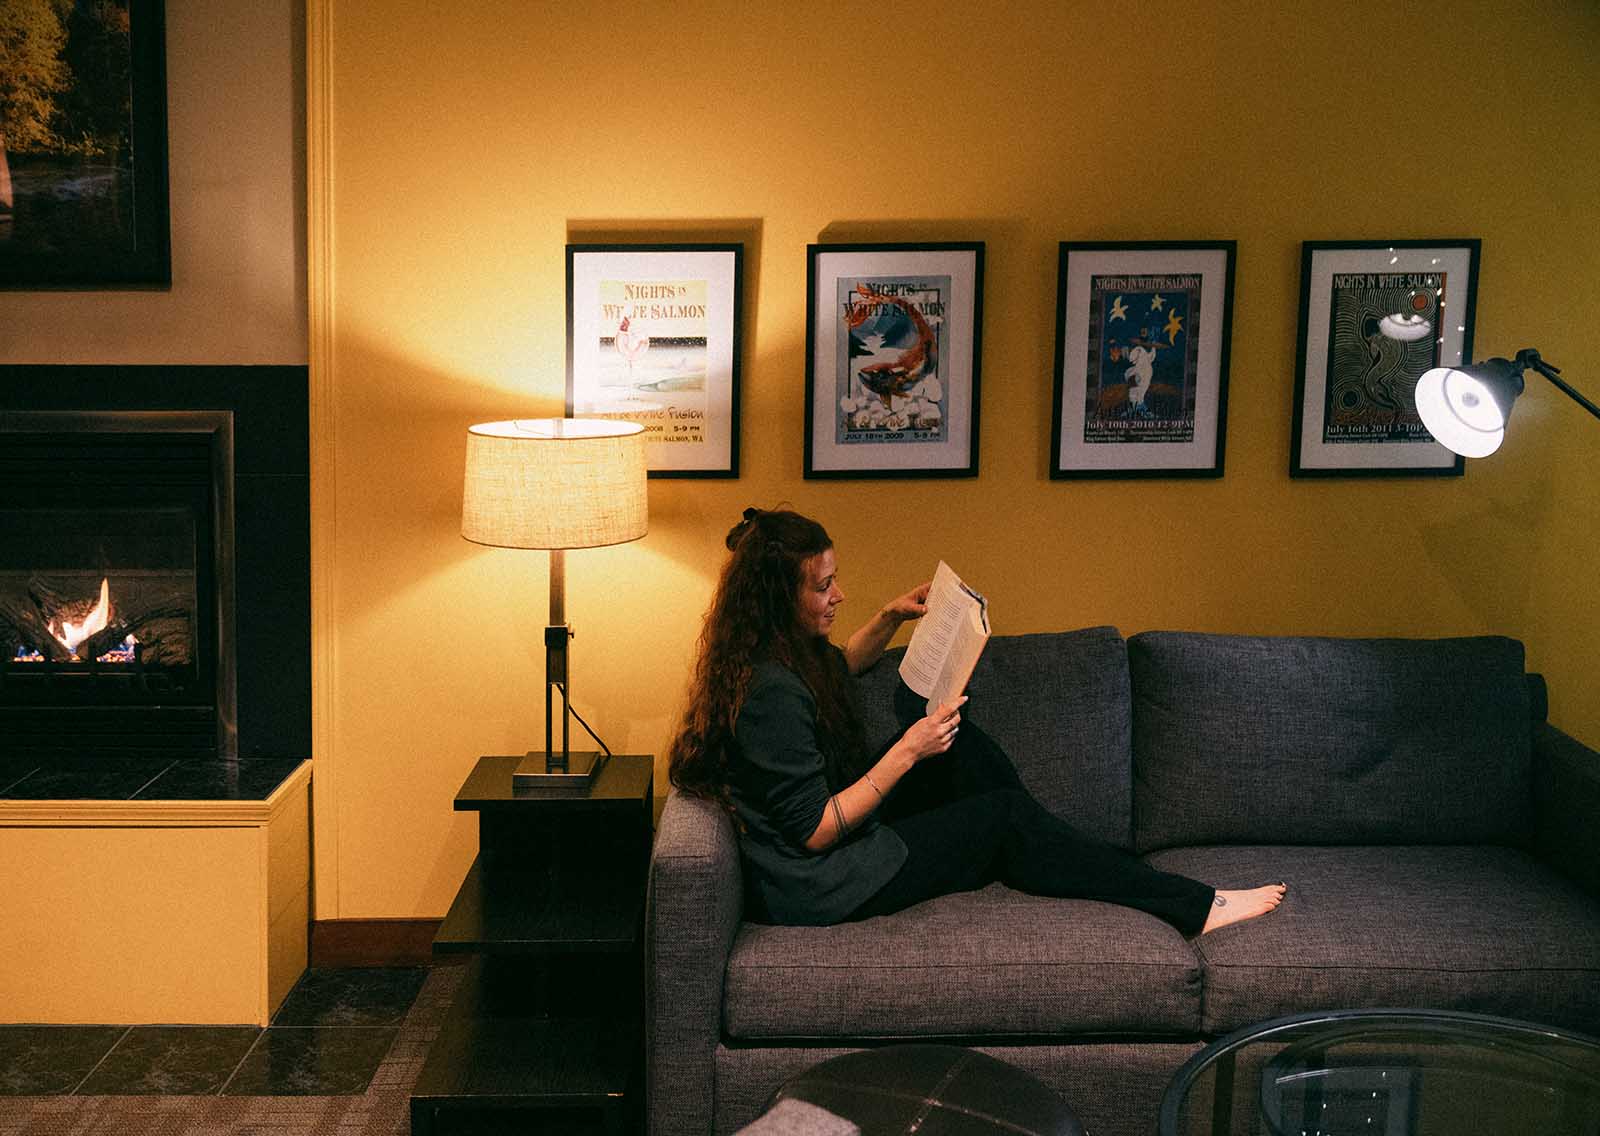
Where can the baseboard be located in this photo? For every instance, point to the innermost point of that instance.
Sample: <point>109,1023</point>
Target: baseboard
<point>373,942</point>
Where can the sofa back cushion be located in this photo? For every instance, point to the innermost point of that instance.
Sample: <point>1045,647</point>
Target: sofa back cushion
<point>1059,705</point>
<point>1241,740</point>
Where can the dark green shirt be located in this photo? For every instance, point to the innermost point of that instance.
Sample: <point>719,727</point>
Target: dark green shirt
<point>779,792</point>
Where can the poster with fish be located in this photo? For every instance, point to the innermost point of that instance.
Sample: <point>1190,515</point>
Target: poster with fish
<point>1380,341</point>
<point>1143,358</point>
<point>891,340</point>
<point>1375,316</point>
<point>893,352</point>
<point>652,338</point>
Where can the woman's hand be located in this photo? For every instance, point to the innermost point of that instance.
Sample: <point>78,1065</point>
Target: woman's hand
<point>912,605</point>
<point>936,733</point>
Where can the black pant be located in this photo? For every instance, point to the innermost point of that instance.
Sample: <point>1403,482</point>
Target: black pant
<point>967,821</point>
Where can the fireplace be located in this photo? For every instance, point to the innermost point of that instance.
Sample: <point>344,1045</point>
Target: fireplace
<point>155,794</point>
<point>117,583</point>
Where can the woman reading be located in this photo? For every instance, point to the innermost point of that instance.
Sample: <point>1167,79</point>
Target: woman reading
<point>829,832</point>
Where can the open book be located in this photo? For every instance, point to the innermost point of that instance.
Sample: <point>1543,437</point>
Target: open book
<point>947,641</point>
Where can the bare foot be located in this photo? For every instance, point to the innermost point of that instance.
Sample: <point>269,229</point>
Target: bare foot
<point>1237,906</point>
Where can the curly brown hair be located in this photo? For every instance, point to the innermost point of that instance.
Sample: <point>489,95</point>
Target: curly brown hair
<point>754,616</point>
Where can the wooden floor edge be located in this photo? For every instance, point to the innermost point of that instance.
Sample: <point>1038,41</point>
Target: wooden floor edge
<point>373,942</point>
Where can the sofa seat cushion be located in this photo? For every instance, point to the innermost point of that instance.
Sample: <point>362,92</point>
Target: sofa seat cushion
<point>1479,928</point>
<point>988,962</point>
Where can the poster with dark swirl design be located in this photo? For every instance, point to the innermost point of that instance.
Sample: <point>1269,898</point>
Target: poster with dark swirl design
<point>1381,340</point>
<point>1374,317</point>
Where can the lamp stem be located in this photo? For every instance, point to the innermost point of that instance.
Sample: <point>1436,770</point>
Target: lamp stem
<point>555,666</point>
<point>1529,358</point>
<point>558,586</point>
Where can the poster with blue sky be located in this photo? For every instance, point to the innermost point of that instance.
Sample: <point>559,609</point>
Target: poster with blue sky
<point>1144,356</point>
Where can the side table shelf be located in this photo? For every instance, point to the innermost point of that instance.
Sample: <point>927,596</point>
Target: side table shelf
<point>550,1011</point>
<point>511,911</point>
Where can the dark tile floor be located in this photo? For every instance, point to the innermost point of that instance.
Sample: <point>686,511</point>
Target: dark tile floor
<point>327,1039</point>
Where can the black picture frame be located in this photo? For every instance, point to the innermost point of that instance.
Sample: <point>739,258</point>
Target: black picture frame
<point>686,395</point>
<point>100,219</point>
<point>924,305</point>
<point>1113,415</point>
<point>1357,364</point>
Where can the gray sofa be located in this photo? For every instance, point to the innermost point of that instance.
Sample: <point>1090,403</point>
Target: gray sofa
<point>1438,839</point>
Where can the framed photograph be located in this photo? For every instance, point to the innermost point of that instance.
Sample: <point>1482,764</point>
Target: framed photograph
<point>83,149</point>
<point>894,334</point>
<point>1374,316</point>
<point>653,336</point>
<point>1141,382</point>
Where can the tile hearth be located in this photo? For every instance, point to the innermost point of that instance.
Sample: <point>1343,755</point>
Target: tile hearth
<point>142,779</point>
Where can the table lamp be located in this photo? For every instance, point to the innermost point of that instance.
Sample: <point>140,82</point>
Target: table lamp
<point>1465,408</point>
<point>555,483</point>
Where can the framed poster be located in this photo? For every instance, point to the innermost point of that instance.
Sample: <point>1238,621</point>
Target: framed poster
<point>653,337</point>
<point>893,338</point>
<point>1374,316</point>
<point>83,148</point>
<point>1141,379</point>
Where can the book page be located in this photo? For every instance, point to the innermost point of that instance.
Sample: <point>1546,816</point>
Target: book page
<point>947,641</point>
<point>968,644</point>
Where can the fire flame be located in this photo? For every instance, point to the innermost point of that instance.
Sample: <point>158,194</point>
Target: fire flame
<point>72,634</point>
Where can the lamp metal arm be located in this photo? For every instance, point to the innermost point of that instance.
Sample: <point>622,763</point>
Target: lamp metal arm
<point>1528,359</point>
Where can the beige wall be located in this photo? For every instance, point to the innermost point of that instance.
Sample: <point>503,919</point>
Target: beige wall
<point>236,145</point>
<point>456,155</point>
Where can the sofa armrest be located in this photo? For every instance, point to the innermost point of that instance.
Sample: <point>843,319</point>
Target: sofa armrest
<point>694,906</point>
<point>1566,792</point>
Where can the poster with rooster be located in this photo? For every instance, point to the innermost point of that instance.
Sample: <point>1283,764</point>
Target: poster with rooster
<point>892,361</point>
<point>1141,365</point>
<point>1374,317</point>
<point>652,338</point>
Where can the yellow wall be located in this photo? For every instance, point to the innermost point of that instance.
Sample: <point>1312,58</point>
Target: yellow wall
<point>453,155</point>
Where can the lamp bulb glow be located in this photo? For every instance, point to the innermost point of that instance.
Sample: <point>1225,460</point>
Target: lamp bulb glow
<point>1460,412</point>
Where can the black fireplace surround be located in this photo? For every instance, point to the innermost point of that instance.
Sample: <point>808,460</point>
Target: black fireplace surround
<point>154,575</point>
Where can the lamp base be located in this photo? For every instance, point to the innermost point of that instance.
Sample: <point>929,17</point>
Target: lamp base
<point>532,771</point>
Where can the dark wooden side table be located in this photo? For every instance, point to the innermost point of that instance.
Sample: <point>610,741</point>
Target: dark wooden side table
<point>550,1013</point>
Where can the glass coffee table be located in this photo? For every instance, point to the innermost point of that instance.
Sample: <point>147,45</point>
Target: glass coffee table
<point>1388,1073</point>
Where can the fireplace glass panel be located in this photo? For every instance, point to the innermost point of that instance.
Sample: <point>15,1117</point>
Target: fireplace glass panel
<point>100,597</point>
<point>116,553</point>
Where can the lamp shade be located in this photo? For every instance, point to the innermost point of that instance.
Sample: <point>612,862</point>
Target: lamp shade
<point>1465,408</point>
<point>555,483</point>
